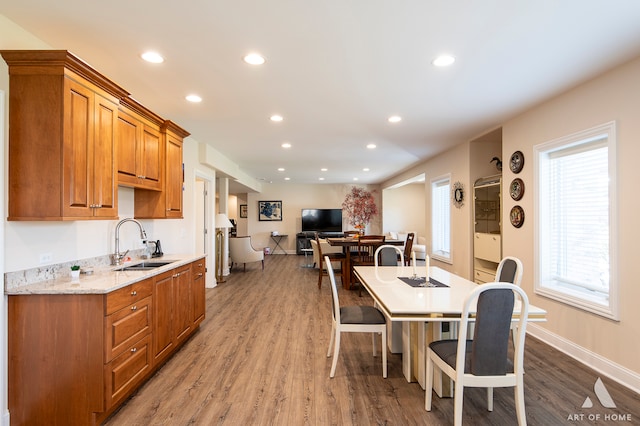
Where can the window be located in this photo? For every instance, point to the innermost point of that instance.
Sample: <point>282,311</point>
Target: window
<point>441,219</point>
<point>575,220</point>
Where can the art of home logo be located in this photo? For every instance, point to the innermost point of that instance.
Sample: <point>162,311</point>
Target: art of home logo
<point>605,400</point>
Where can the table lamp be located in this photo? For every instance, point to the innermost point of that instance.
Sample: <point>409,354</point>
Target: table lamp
<point>222,223</point>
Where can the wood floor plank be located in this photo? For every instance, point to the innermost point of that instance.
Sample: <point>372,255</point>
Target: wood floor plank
<point>259,358</point>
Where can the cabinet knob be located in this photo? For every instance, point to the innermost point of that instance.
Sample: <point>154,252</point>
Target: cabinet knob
<point>199,265</point>
<point>134,349</point>
<point>134,308</point>
<point>134,293</point>
<point>199,274</point>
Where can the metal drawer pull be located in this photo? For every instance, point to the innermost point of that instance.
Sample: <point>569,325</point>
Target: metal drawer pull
<point>134,308</point>
<point>134,349</point>
<point>134,293</point>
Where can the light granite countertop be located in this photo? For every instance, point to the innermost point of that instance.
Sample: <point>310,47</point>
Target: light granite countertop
<point>104,279</point>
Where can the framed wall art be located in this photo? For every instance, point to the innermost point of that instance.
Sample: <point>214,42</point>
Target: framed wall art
<point>269,210</point>
<point>243,211</point>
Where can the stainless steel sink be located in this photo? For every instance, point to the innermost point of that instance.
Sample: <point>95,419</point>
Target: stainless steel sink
<point>144,266</point>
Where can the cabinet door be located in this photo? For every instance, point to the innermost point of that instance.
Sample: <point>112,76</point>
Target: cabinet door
<point>128,134</point>
<point>150,160</point>
<point>125,372</point>
<point>174,177</point>
<point>77,149</point>
<point>104,183</point>
<point>183,303</point>
<point>163,341</point>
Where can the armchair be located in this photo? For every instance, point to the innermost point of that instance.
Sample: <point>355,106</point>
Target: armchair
<point>241,251</point>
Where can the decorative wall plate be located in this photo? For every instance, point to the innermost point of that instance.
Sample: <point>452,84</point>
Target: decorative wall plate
<point>458,194</point>
<point>516,189</point>
<point>516,163</point>
<point>517,216</point>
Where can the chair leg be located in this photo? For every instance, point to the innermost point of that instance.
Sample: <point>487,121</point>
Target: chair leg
<point>489,399</point>
<point>384,354</point>
<point>320,276</point>
<point>428,385</point>
<point>244,267</point>
<point>519,398</point>
<point>457,404</point>
<point>332,339</point>
<point>263,264</point>
<point>336,350</point>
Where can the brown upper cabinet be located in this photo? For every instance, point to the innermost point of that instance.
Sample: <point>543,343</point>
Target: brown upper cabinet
<point>62,129</point>
<point>139,147</point>
<point>168,203</point>
<point>74,136</point>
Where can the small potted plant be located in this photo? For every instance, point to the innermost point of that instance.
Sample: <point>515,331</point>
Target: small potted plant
<point>75,272</point>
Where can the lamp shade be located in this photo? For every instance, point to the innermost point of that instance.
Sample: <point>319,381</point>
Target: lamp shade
<point>222,221</point>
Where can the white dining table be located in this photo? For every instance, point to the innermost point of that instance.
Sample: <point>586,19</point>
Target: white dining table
<point>420,308</point>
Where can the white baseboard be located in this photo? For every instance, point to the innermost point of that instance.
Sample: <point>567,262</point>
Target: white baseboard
<point>4,420</point>
<point>608,368</point>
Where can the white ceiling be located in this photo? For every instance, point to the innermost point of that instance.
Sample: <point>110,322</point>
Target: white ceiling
<point>336,70</point>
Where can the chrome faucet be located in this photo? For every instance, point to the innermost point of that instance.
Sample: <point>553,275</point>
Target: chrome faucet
<point>116,258</point>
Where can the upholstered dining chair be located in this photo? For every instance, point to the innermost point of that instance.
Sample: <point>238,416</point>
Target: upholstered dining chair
<point>408,246</point>
<point>335,257</point>
<point>354,319</point>
<point>241,251</point>
<point>483,361</point>
<point>510,270</point>
<point>387,255</point>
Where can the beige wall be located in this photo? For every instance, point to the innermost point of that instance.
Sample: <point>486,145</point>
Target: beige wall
<point>403,209</point>
<point>611,97</point>
<point>296,197</point>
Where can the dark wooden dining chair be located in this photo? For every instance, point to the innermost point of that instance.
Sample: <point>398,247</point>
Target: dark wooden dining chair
<point>408,246</point>
<point>484,361</point>
<point>365,254</point>
<point>334,257</point>
<point>350,319</point>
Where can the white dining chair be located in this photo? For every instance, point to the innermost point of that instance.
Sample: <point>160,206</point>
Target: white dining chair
<point>387,255</point>
<point>483,361</point>
<point>350,319</point>
<point>510,270</point>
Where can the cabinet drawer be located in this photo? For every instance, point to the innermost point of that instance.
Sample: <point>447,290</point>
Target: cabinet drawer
<point>488,247</point>
<point>128,295</point>
<point>127,326</point>
<point>199,268</point>
<point>125,372</point>
<point>482,277</point>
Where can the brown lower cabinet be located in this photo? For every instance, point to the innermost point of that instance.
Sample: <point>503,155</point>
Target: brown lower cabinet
<point>73,358</point>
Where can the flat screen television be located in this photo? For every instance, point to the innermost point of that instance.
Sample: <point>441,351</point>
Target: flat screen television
<point>321,220</point>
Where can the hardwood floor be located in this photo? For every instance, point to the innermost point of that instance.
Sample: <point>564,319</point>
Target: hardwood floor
<point>260,359</point>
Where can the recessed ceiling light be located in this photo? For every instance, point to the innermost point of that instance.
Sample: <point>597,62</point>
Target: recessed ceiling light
<point>281,169</point>
<point>193,98</point>
<point>394,119</point>
<point>276,118</point>
<point>366,169</point>
<point>443,61</point>
<point>324,169</point>
<point>321,178</point>
<point>254,59</point>
<point>286,145</point>
<point>355,178</point>
<point>371,146</point>
<point>287,178</point>
<point>152,57</point>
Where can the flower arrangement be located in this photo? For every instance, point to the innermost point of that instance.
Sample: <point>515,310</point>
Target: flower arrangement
<point>359,206</point>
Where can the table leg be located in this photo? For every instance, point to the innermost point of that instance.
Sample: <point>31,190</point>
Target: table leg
<point>346,275</point>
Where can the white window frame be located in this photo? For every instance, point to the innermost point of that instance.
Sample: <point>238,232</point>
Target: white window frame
<point>606,305</point>
<point>436,251</point>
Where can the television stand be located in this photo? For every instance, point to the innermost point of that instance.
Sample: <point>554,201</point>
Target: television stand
<point>303,239</point>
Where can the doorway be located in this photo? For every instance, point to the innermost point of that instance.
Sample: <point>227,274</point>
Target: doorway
<point>204,225</point>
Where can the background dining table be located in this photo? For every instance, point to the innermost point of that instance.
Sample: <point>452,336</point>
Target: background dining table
<point>347,243</point>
